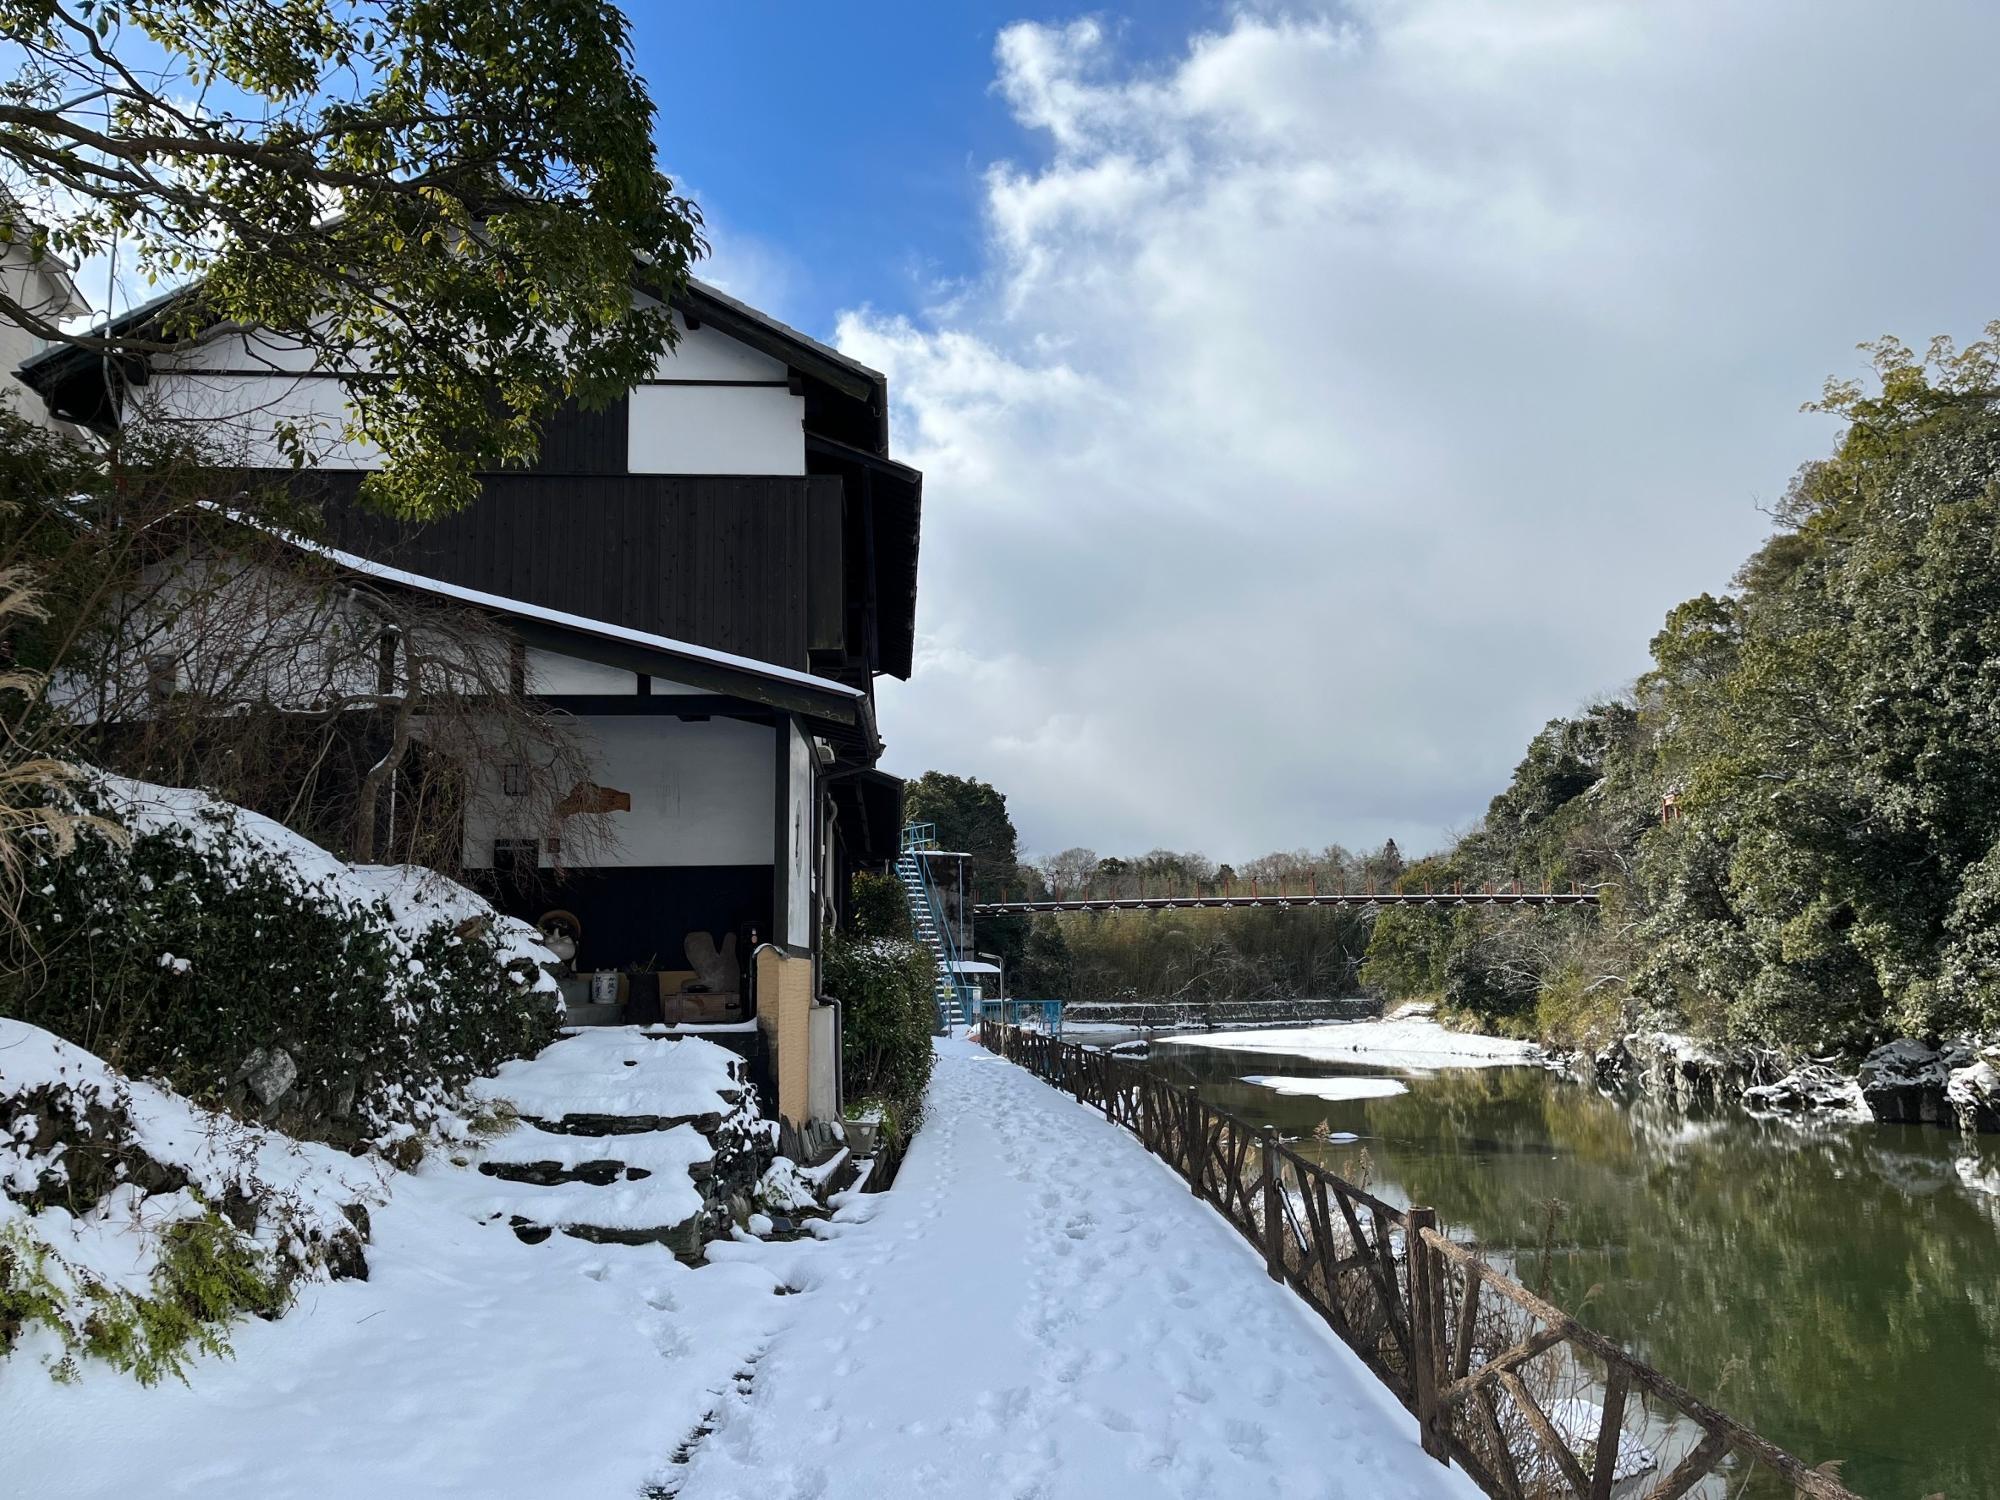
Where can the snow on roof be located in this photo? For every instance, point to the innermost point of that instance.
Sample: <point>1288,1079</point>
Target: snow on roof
<point>581,624</point>
<point>971,966</point>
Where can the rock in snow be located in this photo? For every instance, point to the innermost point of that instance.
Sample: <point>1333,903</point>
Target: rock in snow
<point>1904,1083</point>
<point>270,1073</point>
<point>1810,1088</point>
<point>1974,1094</point>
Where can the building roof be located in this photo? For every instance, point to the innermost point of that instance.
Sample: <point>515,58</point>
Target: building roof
<point>832,703</point>
<point>70,378</point>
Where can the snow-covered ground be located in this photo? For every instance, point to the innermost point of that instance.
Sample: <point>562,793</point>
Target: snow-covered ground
<point>1037,1309</point>
<point>1040,1309</point>
<point>1414,1042</point>
<point>468,1364</point>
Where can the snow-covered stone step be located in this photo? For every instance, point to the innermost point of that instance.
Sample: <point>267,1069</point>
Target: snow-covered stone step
<point>663,1208</point>
<point>625,1137</point>
<point>618,1081</point>
<point>530,1154</point>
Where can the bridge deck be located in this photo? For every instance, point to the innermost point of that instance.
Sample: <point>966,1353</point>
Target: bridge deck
<point>1320,898</point>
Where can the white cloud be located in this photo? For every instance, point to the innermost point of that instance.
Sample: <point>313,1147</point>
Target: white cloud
<point>1352,392</point>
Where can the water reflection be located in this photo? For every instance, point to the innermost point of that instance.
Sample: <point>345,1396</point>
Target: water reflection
<point>1838,1288</point>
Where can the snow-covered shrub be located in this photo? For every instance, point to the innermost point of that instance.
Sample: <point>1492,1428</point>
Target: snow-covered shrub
<point>135,1227</point>
<point>222,953</point>
<point>887,991</point>
<point>785,1189</point>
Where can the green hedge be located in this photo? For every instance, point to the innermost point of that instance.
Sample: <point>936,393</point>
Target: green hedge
<point>881,909</point>
<point>886,987</point>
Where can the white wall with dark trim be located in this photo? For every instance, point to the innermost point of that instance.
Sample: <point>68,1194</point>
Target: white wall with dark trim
<point>702,794</point>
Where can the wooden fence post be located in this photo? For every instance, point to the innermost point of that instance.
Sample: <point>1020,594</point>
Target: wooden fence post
<point>1274,1210</point>
<point>1427,1354</point>
<point>1193,1140</point>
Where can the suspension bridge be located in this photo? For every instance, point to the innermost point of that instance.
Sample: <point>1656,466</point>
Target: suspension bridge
<point>1495,896</point>
<point>918,867</point>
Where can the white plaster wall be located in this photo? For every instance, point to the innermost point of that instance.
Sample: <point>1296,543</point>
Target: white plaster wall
<point>46,293</point>
<point>239,384</point>
<point>702,794</point>
<point>231,631</point>
<point>704,354</point>
<point>242,351</point>
<point>799,835</point>
<point>716,429</point>
<point>238,416</point>
<point>549,673</point>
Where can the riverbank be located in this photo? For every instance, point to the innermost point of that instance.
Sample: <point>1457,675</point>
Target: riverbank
<point>1954,1083</point>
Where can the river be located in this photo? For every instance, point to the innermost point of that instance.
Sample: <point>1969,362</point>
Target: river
<point>1836,1286</point>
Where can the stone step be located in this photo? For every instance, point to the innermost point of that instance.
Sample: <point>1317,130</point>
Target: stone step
<point>612,1125</point>
<point>683,1239</point>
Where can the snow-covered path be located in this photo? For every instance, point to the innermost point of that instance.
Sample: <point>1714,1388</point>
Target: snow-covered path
<point>1040,1309</point>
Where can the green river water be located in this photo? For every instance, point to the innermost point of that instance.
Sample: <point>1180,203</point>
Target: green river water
<point>1838,1287</point>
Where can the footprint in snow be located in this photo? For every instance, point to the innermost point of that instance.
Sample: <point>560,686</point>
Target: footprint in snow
<point>1247,1440</point>
<point>1115,1420</point>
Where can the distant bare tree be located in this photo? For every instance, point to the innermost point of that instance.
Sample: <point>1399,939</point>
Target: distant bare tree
<point>1069,872</point>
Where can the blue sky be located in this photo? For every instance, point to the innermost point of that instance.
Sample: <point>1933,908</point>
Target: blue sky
<point>840,148</point>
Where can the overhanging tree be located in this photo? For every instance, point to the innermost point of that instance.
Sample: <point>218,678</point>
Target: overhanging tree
<point>455,196</point>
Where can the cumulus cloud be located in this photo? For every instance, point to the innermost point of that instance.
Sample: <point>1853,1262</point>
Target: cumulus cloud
<point>1349,393</point>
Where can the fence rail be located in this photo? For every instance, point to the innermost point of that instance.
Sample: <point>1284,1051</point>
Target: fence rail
<point>1528,1401</point>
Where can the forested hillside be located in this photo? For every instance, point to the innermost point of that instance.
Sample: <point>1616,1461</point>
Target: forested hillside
<point>1795,814</point>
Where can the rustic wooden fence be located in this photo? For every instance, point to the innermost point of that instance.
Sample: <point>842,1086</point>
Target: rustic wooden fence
<point>1525,1399</point>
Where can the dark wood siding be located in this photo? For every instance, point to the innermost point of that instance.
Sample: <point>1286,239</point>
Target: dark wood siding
<point>826,602</point>
<point>575,441</point>
<point>720,561</point>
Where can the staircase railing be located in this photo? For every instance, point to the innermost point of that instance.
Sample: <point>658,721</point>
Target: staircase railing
<point>918,840</point>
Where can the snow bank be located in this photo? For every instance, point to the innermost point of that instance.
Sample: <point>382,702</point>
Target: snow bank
<point>418,898</point>
<point>96,1169</point>
<point>1334,1089</point>
<point>1410,1042</point>
<point>231,836</point>
<point>232,958</point>
<point>468,1365</point>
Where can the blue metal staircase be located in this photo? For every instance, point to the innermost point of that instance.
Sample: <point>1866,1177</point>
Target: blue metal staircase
<point>957,1002</point>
